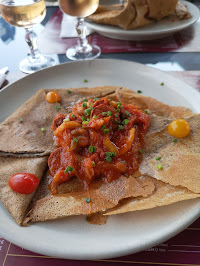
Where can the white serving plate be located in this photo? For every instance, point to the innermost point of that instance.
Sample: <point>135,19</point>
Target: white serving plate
<point>73,237</point>
<point>161,29</point>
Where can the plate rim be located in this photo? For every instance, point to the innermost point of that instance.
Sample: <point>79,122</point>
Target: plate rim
<point>127,251</point>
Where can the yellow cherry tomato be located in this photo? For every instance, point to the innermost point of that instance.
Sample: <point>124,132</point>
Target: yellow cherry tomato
<point>179,128</point>
<point>52,97</point>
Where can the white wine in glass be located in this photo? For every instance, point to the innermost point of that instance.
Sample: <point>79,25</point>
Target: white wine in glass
<point>81,9</point>
<point>27,13</point>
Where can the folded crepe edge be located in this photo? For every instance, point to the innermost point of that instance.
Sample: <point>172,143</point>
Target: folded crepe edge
<point>17,203</point>
<point>163,195</point>
<point>105,197</point>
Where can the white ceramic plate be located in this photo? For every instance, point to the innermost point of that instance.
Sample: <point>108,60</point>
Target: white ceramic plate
<point>73,237</point>
<point>161,29</point>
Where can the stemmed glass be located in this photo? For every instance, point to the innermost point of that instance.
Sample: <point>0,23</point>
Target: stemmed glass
<point>26,13</point>
<point>80,9</point>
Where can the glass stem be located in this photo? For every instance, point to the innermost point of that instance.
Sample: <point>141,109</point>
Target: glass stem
<point>82,39</point>
<point>31,39</point>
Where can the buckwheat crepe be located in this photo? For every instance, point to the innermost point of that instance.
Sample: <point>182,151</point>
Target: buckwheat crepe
<point>26,138</point>
<point>180,160</point>
<point>69,202</point>
<point>17,203</point>
<point>146,189</point>
<point>164,194</point>
<point>139,13</point>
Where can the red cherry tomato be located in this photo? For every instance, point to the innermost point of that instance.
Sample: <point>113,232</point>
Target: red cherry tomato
<point>23,183</point>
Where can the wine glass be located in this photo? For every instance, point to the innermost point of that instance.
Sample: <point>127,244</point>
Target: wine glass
<point>26,13</point>
<point>80,9</point>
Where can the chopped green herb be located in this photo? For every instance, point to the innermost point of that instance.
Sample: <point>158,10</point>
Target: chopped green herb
<point>68,91</point>
<point>73,115</point>
<point>42,129</point>
<point>21,120</point>
<point>94,117</point>
<point>91,149</point>
<point>109,100</point>
<point>95,148</point>
<point>125,122</point>
<point>139,91</point>
<point>87,218</point>
<point>66,120</point>
<point>162,83</point>
<point>104,113</point>
<point>75,140</point>
<point>119,105</point>
<point>123,161</point>
<point>88,200</point>
<point>70,111</point>
<point>159,166</point>
<point>158,158</point>
<point>140,151</point>
<point>68,169</point>
<point>117,122</point>
<point>88,111</point>
<point>93,162</point>
<point>110,154</point>
<point>109,113</point>
<point>57,107</point>
<point>106,130</point>
<point>85,100</point>
<point>175,140</point>
<point>127,113</point>
<point>108,159</point>
<point>84,105</point>
<point>96,99</point>
<point>88,119</point>
<point>120,127</point>
<point>116,115</point>
<point>85,80</point>
<point>146,111</point>
<point>103,127</point>
<point>85,122</point>
<point>83,118</point>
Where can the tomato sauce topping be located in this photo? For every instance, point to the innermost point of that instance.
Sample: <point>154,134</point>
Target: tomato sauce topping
<point>99,138</point>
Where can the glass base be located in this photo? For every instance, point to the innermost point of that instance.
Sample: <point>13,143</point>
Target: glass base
<point>87,53</point>
<point>29,65</point>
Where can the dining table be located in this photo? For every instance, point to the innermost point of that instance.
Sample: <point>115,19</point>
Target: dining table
<point>177,54</point>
